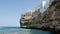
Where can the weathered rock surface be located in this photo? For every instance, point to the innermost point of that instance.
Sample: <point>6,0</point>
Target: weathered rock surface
<point>49,19</point>
<point>52,15</point>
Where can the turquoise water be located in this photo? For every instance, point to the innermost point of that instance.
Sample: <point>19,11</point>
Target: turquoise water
<point>18,30</point>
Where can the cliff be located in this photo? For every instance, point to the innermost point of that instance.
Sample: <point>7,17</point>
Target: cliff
<point>50,19</point>
<point>52,15</point>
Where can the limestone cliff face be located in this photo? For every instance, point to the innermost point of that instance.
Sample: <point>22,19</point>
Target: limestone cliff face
<point>52,15</point>
<point>32,21</point>
<point>49,19</point>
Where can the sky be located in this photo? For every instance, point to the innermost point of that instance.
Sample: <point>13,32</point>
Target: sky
<point>11,10</point>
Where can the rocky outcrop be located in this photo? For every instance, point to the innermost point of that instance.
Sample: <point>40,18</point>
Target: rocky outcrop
<point>52,15</point>
<point>49,19</point>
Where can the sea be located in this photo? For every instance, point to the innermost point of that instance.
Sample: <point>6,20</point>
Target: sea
<point>18,30</point>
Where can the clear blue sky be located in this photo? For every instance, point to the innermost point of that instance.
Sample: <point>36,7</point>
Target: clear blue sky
<point>10,10</point>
